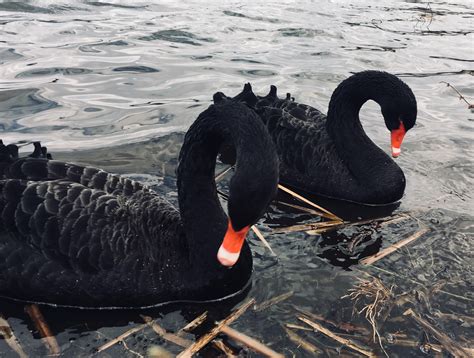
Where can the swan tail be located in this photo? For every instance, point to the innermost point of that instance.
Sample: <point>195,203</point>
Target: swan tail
<point>272,93</point>
<point>219,97</point>
<point>9,157</point>
<point>39,166</point>
<point>247,96</point>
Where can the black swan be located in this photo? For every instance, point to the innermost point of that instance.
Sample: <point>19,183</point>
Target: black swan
<point>331,155</point>
<point>79,236</point>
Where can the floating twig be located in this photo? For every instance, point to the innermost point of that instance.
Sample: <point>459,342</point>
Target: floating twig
<point>321,225</point>
<point>461,97</point>
<point>344,326</point>
<point>301,342</point>
<point>302,208</point>
<point>327,213</point>
<point>229,353</point>
<point>262,239</point>
<point>193,324</point>
<point>178,337</point>
<point>222,174</point>
<point>250,342</point>
<point>122,337</point>
<point>451,346</point>
<point>10,339</point>
<point>42,326</point>
<point>381,254</point>
<point>272,301</point>
<point>386,220</point>
<point>170,337</point>
<point>199,344</point>
<point>127,348</point>
<point>337,338</point>
<point>298,327</point>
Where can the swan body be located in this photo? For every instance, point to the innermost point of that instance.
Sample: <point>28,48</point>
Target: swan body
<point>79,236</point>
<point>331,155</point>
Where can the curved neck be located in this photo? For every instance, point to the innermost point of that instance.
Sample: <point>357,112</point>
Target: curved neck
<point>204,220</point>
<point>364,159</point>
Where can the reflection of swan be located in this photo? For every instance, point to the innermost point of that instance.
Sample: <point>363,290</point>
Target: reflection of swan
<point>331,155</point>
<point>80,236</point>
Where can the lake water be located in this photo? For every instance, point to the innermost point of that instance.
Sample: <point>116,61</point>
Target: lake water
<point>115,84</point>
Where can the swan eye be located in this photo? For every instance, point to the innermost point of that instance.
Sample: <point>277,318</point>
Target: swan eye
<point>229,251</point>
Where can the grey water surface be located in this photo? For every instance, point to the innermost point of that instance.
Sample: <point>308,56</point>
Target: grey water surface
<point>115,84</point>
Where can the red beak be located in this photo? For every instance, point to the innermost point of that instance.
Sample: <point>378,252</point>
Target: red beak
<point>397,139</point>
<point>229,251</point>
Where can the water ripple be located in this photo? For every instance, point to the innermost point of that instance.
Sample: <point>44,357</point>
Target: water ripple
<point>65,71</point>
<point>18,103</point>
<point>136,69</point>
<point>178,36</point>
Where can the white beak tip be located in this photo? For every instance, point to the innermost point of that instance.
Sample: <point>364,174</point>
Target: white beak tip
<point>396,152</point>
<point>227,258</point>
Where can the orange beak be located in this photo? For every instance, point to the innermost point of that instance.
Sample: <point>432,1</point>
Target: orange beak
<point>397,139</point>
<point>229,251</point>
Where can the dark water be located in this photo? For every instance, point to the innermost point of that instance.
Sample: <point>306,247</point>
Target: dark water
<point>115,84</point>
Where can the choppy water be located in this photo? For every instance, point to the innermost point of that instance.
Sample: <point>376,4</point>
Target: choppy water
<point>113,83</point>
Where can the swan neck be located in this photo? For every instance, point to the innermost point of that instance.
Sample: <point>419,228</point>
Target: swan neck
<point>365,160</point>
<point>204,220</point>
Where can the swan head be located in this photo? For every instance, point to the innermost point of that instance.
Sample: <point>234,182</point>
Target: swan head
<point>247,203</point>
<point>399,111</point>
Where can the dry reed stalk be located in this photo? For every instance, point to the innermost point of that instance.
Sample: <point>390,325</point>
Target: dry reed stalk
<point>121,338</point>
<point>170,337</point>
<point>412,281</point>
<point>229,353</point>
<point>250,342</point>
<point>461,97</point>
<point>272,301</point>
<point>262,238</point>
<point>451,346</point>
<point>347,327</point>
<point>222,174</point>
<point>380,221</point>
<point>325,225</point>
<point>413,344</point>
<point>42,326</point>
<point>10,338</point>
<point>304,200</point>
<point>304,208</point>
<point>337,338</point>
<point>199,344</point>
<point>383,299</point>
<point>301,342</point>
<point>127,348</point>
<point>193,324</point>
<point>298,327</point>
<point>178,339</point>
<point>387,251</point>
